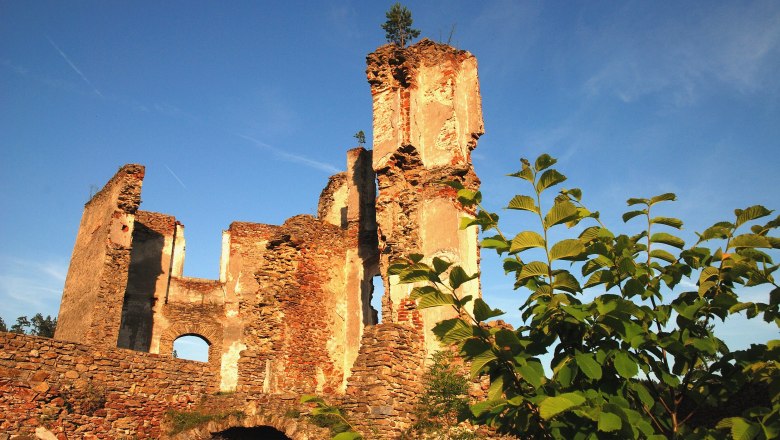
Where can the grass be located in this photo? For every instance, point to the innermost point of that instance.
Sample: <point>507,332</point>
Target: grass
<point>186,420</point>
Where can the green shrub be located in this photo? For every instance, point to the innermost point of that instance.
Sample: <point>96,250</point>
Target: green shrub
<point>640,360</point>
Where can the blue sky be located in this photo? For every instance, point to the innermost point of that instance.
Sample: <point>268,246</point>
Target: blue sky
<point>241,111</point>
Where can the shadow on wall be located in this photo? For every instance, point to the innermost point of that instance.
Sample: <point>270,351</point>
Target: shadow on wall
<point>259,432</point>
<point>135,331</point>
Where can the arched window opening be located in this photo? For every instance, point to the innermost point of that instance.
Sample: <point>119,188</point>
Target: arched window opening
<point>263,432</point>
<point>191,347</point>
<point>378,291</point>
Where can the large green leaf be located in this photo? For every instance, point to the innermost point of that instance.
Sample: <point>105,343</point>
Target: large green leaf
<point>663,255</point>
<point>413,276</point>
<point>548,179</point>
<point>479,361</point>
<point>543,162</point>
<point>496,242</point>
<point>526,172</point>
<point>625,366</point>
<point>609,422</point>
<point>631,214</point>
<point>533,269</point>
<point>435,299</point>
<point>566,249</point>
<point>741,429</point>
<point>588,365</point>
<point>523,203</point>
<point>347,435</point>
<point>718,230</point>
<point>526,240</point>
<point>419,292</point>
<point>458,276</point>
<point>311,398</point>
<point>482,407</point>
<point>599,277</point>
<point>634,201</point>
<point>552,406</point>
<point>566,282</point>
<point>663,197</point>
<point>561,212</point>
<point>750,241</point>
<point>533,372</point>
<point>668,221</point>
<point>440,265</point>
<point>452,331</point>
<point>483,312</point>
<point>644,395</point>
<point>664,238</point>
<point>751,213</point>
<point>468,197</point>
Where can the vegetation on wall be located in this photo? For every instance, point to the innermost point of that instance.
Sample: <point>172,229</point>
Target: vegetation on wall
<point>444,401</point>
<point>398,27</point>
<point>180,421</point>
<point>627,320</point>
<point>327,416</point>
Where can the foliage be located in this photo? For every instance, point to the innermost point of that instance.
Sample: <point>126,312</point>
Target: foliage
<point>327,416</point>
<point>180,421</point>
<point>3,327</point>
<point>398,27</point>
<point>37,326</point>
<point>444,401</point>
<point>629,363</point>
<point>361,137</point>
<point>86,397</point>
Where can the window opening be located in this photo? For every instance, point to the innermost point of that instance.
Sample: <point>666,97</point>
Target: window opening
<point>377,292</point>
<point>191,347</point>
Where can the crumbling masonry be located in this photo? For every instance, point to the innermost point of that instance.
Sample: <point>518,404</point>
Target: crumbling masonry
<point>290,312</point>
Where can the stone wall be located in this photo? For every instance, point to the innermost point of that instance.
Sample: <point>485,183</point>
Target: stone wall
<point>385,381</point>
<point>84,392</point>
<point>92,299</point>
<point>294,325</point>
<point>427,119</point>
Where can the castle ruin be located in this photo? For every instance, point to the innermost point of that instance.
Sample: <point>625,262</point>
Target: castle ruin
<point>290,313</point>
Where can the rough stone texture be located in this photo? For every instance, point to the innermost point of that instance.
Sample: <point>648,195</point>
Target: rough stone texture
<point>301,349</point>
<point>92,299</point>
<point>385,381</point>
<point>290,313</point>
<point>427,119</point>
<point>81,391</point>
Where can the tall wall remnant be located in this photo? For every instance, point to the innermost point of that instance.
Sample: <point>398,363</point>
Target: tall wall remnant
<point>291,310</point>
<point>427,119</point>
<point>91,307</point>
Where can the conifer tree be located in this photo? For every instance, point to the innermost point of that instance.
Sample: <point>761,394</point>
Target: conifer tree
<point>398,27</point>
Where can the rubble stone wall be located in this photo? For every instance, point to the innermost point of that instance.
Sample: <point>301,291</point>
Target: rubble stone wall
<point>385,382</point>
<point>84,392</point>
<point>296,341</point>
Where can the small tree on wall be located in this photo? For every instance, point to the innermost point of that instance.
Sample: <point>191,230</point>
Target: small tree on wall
<point>398,27</point>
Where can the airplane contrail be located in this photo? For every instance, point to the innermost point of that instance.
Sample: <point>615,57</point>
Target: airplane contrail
<point>73,66</point>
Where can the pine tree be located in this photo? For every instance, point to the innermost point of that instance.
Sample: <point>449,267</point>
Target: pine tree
<point>398,27</point>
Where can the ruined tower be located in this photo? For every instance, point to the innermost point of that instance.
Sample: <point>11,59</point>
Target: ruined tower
<point>91,307</point>
<point>427,119</point>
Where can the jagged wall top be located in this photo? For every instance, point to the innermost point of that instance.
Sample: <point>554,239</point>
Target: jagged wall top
<point>425,95</point>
